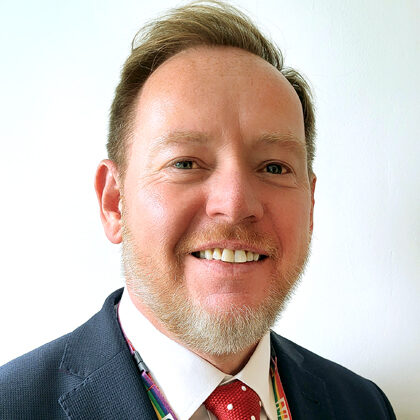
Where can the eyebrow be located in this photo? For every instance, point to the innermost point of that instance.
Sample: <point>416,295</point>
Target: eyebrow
<point>178,137</point>
<point>285,140</point>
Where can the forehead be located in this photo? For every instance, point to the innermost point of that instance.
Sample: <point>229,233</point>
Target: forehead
<point>215,91</point>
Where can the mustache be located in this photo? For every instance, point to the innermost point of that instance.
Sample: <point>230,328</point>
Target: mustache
<point>222,232</point>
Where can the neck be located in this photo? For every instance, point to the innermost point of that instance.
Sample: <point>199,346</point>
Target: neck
<point>229,363</point>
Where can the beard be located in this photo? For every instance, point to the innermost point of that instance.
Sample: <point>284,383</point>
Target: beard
<point>162,290</point>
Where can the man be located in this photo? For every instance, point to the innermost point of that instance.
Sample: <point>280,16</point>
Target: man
<point>210,189</point>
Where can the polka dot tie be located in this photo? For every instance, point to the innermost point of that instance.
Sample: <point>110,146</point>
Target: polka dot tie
<point>234,401</point>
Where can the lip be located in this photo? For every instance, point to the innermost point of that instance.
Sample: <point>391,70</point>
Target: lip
<point>233,245</point>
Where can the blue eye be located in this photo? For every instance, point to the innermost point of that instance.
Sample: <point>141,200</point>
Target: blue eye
<point>184,164</point>
<point>275,168</point>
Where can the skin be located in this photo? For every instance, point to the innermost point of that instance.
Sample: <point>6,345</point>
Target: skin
<point>198,163</point>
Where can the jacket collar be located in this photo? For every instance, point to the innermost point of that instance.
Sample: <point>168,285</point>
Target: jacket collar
<point>306,393</point>
<point>111,386</point>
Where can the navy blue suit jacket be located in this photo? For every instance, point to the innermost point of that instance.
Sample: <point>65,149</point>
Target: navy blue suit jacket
<point>90,374</point>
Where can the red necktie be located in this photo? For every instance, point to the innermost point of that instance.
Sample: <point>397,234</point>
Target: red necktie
<point>234,401</point>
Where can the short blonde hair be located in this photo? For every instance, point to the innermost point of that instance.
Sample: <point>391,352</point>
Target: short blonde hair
<point>209,23</point>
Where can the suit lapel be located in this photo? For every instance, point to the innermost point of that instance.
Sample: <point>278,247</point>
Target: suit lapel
<point>306,393</point>
<point>114,391</point>
<point>110,383</point>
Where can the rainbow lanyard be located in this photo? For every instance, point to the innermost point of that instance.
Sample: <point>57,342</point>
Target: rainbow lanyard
<point>282,407</point>
<point>164,411</point>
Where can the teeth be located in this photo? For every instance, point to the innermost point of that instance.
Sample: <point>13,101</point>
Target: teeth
<point>240,256</point>
<point>229,255</point>
<point>217,254</point>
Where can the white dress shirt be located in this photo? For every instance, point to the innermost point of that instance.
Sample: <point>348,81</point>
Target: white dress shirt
<point>183,377</point>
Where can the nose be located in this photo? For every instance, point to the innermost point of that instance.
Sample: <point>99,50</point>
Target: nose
<point>233,197</point>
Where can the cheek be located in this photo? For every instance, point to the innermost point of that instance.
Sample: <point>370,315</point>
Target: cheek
<point>159,215</point>
<point>291,218</point>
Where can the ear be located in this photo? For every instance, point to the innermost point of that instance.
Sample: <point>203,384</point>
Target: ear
<point>108,192</point>
<point>313,183</point>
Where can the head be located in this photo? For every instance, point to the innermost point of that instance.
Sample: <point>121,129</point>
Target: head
<point>208,23</point>
<point>211,146</point>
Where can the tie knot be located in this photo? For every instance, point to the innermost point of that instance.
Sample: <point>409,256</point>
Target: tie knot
<point>234,401</point>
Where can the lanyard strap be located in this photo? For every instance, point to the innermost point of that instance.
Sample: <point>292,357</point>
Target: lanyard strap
<point>282,407</point>
<point>162,408</point>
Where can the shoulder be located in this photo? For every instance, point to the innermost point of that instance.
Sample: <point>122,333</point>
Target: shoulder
<point>31,384</point>
<point>40,359</point>
<point>318,365</point>
<point>346,390</point>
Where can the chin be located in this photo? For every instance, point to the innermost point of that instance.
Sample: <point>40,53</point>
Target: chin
<point>222,324</point>
<point>228,305</point>
<point>226,329</point>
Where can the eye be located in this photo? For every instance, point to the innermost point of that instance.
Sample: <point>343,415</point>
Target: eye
<point>276,169</point>
<point>185,164</point>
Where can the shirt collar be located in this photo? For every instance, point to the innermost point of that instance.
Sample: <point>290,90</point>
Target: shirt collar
<point>185,379</point>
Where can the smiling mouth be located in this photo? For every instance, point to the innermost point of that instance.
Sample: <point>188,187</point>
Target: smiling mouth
<point>237,256</point>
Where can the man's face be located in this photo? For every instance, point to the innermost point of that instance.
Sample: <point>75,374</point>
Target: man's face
<point>217,160</point>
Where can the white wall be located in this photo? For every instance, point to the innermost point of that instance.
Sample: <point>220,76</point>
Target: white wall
<point>358,303</point>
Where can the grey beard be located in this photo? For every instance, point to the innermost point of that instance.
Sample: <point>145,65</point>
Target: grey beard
<point>227,332</point>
